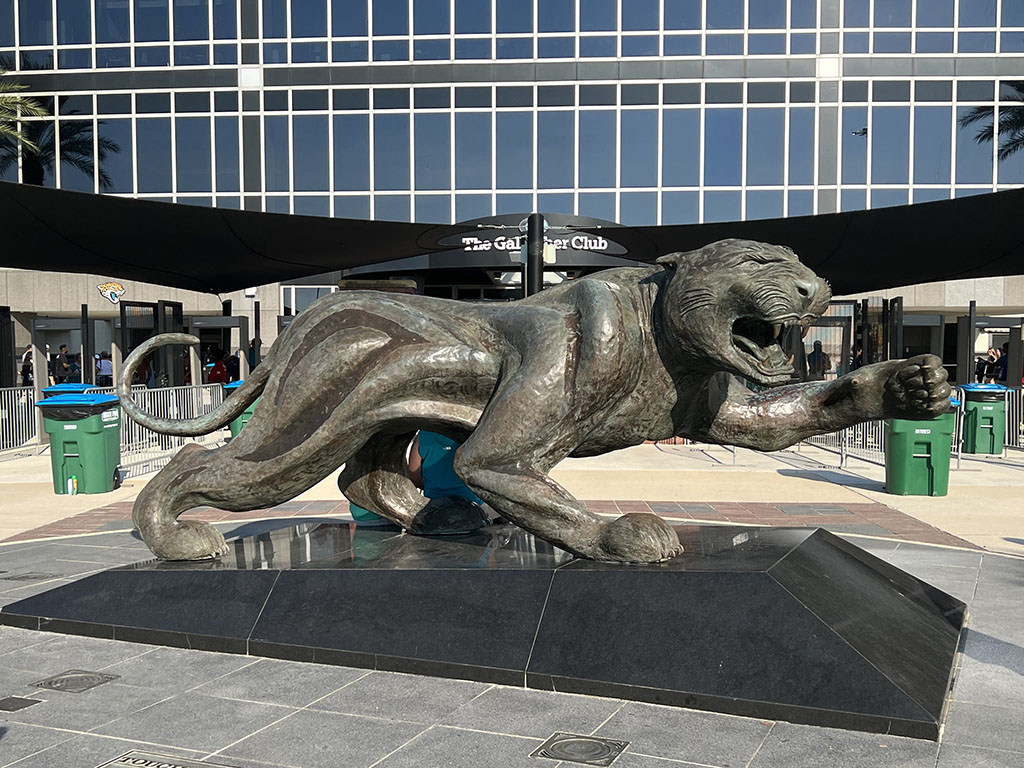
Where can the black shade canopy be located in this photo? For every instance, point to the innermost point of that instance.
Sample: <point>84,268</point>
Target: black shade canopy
<point>212,250</point>
<point>860,251</point>
<point>217,250</point>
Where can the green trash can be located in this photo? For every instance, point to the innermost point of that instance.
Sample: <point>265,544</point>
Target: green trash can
<point>85,442</point>
<point>917,455</point>
<point>236,425</point>
<point>984,418</point>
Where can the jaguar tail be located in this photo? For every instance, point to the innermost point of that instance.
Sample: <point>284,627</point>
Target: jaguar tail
<point>220,417</point>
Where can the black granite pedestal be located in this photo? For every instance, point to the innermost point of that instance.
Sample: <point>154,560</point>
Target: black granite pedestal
<point>790,624</point>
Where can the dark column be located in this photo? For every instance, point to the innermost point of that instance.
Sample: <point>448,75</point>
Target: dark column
<point>534,254</point>
<point>10,362</point>
<point>256,333</point>
<point>88,364</point>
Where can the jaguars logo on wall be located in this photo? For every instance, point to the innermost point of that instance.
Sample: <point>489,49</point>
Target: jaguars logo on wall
<point>111,291</point>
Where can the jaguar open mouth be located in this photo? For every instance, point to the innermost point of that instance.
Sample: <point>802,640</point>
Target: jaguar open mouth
<point>761,342</point>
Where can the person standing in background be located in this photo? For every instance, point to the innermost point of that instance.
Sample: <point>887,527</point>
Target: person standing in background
<point>104,370</point>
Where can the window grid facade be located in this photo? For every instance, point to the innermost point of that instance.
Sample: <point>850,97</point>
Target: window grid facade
<point>638,151</point>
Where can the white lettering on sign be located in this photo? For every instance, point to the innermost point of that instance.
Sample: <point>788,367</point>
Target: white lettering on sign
<point>922,431</point>
<point>988,408</point>
<point>70,426</point>
<point>577,242</point>
<point>110,415</point>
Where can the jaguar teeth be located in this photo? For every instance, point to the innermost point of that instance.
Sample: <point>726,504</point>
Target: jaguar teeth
<point>777,330</point>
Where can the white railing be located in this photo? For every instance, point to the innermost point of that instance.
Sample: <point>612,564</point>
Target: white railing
<point>142,450</point>
<point>17,417</point>
<point>1015,418</point>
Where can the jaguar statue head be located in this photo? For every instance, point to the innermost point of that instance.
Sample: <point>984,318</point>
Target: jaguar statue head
<point>729,305</point>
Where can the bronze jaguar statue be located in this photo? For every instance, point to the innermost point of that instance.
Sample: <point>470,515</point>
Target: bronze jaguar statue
<point>600,363</point>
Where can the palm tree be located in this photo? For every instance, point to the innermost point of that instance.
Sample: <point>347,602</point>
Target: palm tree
<point>76,150</point>
<point>12,107</point>
<point>35,144</point>
<point>1011,122</point>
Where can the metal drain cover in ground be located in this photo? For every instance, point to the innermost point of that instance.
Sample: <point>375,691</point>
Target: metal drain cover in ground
<point>586,750</point>
<point>14,703</point>
<point>75,681</point>
<point>137,758</point>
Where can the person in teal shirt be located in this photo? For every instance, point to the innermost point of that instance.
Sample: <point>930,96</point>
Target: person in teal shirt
<point>431,467</point>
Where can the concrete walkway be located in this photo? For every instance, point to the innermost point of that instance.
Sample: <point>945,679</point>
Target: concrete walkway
<point>985,504</point>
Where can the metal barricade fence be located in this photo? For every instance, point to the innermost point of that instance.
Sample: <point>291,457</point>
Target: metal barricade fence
<point>17,417</point>
<point>144,451</point>
<point>1015,418</point>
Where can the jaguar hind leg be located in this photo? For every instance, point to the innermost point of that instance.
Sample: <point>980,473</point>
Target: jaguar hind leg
<point>377,478</point>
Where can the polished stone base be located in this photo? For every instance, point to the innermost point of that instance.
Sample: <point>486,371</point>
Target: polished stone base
<point>789,624</point>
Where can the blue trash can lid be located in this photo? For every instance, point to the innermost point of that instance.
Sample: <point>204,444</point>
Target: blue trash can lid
<point>67,388</point>
<point>234,384</point>
<point>983,388</point>
<point>64,401</point>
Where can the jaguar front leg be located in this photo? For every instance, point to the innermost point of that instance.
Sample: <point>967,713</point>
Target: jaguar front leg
<point>773,420</point>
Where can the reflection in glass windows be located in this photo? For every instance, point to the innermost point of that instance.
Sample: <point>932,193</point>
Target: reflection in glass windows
<point>115,165</point>
<point>855,145</point>
<point>73,22</point>
<point>638,208</point>
<point>932,144</point>
<point>192,153</point>
<point>639,141</point>
<point>598,15</point>
<point>153,154</point>
<point>7,27</point>
<point>765,146</point>
<point>722,205</point>
<point>351,152</point>
<point>151,20</point>
<point>309,18</point>
<point>801,146</point>
<point>430,17</point>
<point>556,149</point>
<point>473,150</point>
<point>348,18</point>
<point>191,20</point>
<point>764,204</point>
<point>76,155</point>
<point>973,157</point>
<point>723,130</point>
<point>767,14</point>
<point>683,14</point>
<point>680,207</point>
<point>599,205</point>
<point>275,21</point>
<point>227,175</point>
<point>680,148</point>
<point>276,156</point>
<point>224,20</point>
<point>514,150</point>
<point>390,17</point>
<point>890,145</point>
<point>597,157</point>
<point>639,15</point>
<point>310,158</point>
<point>35,22</point>
<point>433,151</point>
<point>472,17</point>
<point>391,151</point>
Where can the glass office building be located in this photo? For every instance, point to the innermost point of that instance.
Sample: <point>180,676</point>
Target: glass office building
<point>635,111</point>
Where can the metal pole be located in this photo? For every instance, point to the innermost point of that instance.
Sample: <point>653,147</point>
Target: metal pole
<point>256,332</point>
<point>534,254</point>
<point>88,364</point>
